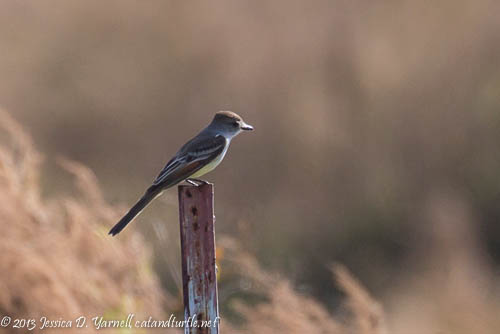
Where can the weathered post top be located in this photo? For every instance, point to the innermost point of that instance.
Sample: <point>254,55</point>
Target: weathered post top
<point>196,213</point>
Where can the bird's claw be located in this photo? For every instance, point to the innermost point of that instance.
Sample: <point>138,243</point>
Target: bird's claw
<point>196,182</point>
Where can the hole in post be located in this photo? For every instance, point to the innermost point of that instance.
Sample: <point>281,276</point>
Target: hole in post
<point>188,193</point>
<point>194,211</point>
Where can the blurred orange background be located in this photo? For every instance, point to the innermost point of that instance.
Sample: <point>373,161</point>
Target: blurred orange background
<point>376,142</point>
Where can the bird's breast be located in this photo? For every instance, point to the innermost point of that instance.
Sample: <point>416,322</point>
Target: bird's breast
<point>212,164</point>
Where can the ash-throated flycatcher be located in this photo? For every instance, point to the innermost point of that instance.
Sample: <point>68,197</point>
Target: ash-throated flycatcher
<point>197,157</point>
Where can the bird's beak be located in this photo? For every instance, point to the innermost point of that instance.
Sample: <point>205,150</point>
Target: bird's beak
<point>246,127</point>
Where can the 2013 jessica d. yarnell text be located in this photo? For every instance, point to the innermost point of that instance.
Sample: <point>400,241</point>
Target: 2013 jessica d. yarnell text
<point>100,323</point>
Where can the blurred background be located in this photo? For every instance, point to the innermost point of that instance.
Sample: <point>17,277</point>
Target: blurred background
<point>376,144</point>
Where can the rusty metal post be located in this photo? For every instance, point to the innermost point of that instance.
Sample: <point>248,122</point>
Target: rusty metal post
<point>196,212</point>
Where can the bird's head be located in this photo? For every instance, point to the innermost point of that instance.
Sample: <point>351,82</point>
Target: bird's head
<point>229,123</point>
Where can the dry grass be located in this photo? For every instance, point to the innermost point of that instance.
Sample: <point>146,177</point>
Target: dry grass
<point>287,311</point>
<point>56,261</point>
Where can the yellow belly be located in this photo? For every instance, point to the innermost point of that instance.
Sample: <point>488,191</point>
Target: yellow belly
<point>211,165</point>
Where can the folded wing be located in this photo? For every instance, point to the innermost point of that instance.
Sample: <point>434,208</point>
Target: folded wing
<point>193,156</point>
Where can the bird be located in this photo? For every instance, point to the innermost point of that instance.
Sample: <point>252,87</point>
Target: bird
<point>194,159</point>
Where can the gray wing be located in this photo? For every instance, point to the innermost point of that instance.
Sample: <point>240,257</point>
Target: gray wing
<point>195,154</point>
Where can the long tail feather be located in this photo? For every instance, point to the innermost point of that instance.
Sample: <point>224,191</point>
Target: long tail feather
<point>134,212</point>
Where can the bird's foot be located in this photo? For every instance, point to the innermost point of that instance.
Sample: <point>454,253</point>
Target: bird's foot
<point>196,182</point>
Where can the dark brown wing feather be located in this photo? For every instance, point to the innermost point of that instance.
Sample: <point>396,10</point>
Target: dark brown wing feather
<point>193,156</point>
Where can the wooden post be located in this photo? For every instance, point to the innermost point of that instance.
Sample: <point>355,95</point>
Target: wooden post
<point>196,212</point>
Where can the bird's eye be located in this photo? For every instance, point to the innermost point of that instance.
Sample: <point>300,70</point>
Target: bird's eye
<point>236,124</point>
